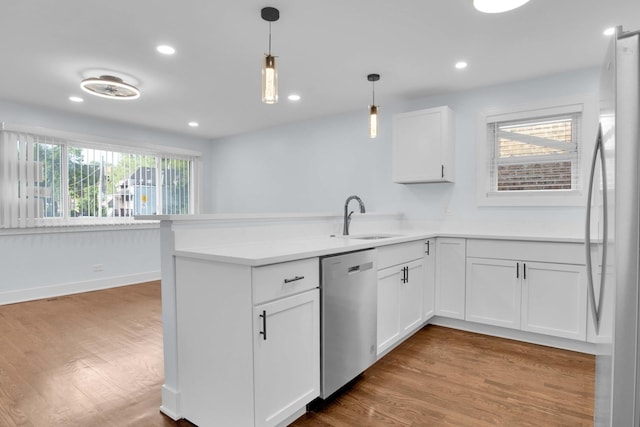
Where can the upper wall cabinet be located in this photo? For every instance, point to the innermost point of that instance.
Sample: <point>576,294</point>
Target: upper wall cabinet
<point>424,146</point>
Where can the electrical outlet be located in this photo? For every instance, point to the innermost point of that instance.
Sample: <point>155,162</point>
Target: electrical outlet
<point>98,268</point>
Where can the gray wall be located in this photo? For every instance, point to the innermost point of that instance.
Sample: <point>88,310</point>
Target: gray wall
<point>315,165</point>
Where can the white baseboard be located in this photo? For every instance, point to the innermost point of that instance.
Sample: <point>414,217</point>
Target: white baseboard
<point>22,295</point>
<point>170,403</point>
<point>514,334</point>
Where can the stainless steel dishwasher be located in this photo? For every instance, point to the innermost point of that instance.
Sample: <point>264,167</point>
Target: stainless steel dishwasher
<point>348,315</point>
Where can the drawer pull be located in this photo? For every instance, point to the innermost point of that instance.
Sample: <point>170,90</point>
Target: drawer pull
<point>295,279</point>
<point>263,332</point>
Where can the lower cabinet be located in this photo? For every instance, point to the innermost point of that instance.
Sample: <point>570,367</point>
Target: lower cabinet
<point>400,293</point>
<point>248,341</point>
<point>493,292</point>
<point>543,297</point>
<point>554,300</point>
<point>429,289</point>
<point>286,356</point>
<point>450,277</point>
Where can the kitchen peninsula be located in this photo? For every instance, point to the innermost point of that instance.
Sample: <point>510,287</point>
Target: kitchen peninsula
<point>221,272</point>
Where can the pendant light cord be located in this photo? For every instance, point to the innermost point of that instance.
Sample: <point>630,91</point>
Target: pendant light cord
<point>269,38</point>
<point>373,91</point>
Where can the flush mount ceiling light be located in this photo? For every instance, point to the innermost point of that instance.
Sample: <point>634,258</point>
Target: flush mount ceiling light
<point>498,6</point>
<point>269,71</point>
<point>373,108</point>
<point>109,87</point>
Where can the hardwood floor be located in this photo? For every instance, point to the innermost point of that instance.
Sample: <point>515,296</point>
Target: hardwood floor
<point>91,359</point>
<point>95,359</point>
<point>446,377</point>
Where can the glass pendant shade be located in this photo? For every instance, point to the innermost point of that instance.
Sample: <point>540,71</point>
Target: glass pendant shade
<point>269,80</point>
<point>373,121</point>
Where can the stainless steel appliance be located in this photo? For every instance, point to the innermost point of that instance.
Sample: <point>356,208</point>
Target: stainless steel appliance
<point>613,236</point>
<point>348,295</point>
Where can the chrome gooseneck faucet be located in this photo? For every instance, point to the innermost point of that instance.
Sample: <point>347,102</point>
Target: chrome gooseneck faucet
<point>347,217</point>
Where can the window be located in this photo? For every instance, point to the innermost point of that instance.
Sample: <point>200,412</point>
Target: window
<point>49,180</point>
<point>532,157</point>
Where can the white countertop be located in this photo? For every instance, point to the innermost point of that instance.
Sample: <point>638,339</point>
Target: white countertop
<point>274,251</point>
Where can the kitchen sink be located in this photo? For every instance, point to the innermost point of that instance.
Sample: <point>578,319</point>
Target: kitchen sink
<point>373,236</point>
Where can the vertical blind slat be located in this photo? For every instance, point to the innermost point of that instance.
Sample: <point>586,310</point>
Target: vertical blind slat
<point>47,181</point>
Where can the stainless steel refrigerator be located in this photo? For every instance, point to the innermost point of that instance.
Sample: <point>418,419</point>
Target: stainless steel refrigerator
<point>613,236</point>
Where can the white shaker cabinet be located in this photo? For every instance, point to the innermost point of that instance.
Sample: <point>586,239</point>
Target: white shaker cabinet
<point>286,354</point>
<point>450,277</point>
<point>231,372</point>
<point>532,286</point>
<point>429,290</point>
<point>493,292</point>
<point>554,299</point>
<point>424,146</point>
<point>400,287</point>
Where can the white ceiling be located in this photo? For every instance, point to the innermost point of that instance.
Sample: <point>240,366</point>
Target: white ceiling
<point>325,48</point>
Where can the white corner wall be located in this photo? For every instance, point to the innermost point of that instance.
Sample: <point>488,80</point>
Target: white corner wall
<point>314,165</point>
<point>41,263</point>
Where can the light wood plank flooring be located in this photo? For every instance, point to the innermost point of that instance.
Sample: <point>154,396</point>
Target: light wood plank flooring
<point>95,359</point>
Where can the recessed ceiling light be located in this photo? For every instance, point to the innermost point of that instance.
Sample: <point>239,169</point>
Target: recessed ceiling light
<point>75,99</point>
<point>498,6</point>
<point>294,97</point>
<point>609,31</point>
<point>194,124</point>
<point>165,49</point>
<point>461,64</point>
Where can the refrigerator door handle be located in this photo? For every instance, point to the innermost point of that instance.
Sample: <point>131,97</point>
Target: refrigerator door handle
<point>596,306</point>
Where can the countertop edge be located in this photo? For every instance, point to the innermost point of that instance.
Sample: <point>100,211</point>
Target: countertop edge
<point>303,248</point>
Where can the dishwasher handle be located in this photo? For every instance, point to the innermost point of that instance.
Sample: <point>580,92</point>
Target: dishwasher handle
<point>360,267</point>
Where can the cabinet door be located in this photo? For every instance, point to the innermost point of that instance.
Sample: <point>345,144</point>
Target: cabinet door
<point>554,299</point>
<point>421,143</point>
<point>388,332</point>
<point>411,298</point>
<point>286,357</point>
<point>450,277</point>
<point>429,291</point>
<point>493,292</point>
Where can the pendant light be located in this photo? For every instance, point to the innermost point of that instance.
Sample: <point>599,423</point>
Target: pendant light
<point>269,70</point>
<point>373,108</point>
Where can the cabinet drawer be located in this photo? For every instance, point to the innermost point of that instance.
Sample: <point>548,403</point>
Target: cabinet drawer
<point>280,280</point>
<point>399,254</point>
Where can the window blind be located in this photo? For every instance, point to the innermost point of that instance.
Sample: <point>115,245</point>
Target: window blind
<point>538,154</point>
<point>49,181</point>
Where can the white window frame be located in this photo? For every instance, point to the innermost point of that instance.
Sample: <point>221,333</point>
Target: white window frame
<point>70,139</point>
<point>485,150</point>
